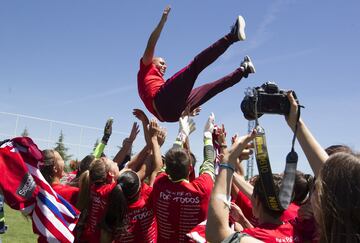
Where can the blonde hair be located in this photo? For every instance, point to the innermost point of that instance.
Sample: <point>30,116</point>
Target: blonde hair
<point>96,174</point>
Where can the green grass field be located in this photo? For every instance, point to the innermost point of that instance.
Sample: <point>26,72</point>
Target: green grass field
<point>19,228</point>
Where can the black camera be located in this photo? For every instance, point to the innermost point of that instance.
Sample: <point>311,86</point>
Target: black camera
<point>267,98</point>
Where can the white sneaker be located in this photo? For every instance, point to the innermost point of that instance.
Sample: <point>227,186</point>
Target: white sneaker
<point>248,66</point>
<point>238,29</point>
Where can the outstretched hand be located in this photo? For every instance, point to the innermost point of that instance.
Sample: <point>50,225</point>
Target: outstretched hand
<point>134,132</point>
<point>221,135</point>
<point>188,112</point>
<point>140,114</point>
<point>210,124</point>
<point>161,136</point>
<point>186,125</point>
<point>107,130</point>
<point>238,147</point>
<point>154,129</point>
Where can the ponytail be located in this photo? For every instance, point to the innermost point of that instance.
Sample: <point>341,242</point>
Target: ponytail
<point>114,219</point>
<point>84,193</point>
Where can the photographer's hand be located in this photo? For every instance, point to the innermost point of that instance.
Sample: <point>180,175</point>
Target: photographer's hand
<point>292,117</point>
<point>315,154</point>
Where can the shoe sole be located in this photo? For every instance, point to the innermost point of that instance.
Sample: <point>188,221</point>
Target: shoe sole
<point>241,28</point>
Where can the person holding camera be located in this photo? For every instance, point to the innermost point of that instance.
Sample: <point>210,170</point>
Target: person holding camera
<point>336,196</point>
<point>270,227</point>
<point>166,100</point>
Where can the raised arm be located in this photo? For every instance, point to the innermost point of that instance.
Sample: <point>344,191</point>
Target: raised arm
<point>155,131</point>
<point>217,226</point>
<point>315,154</point>
<point>209,153</point>
<point>107,133</point>
<point>140,114</point>
<point>150,47</point>
<point>127,144</point>
<point>186,127</point>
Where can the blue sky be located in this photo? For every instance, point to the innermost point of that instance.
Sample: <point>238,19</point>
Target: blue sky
<point>76,61</point>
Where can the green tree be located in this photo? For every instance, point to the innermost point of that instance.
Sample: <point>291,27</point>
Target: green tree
<point>25,133</point>
<point>62,150</point>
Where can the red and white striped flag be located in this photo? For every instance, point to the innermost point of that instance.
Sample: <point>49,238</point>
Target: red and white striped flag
<point>25,189</point>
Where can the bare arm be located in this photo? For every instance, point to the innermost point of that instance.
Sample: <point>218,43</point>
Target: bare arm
<point>217,227</point>
<point>155,131</point>
<point>244,186</point>
<point>150,47</point>
<point>315,154</point>
<point>127,144</point>
<point>136,161</point>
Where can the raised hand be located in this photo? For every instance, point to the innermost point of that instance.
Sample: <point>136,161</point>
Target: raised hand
<point>292,117</point>
<point>186,125</point>
<point>221,135</point>
<point>107,130</point>
<point>134,132</point>
<point>139,114</point>
<point>154,129</point>
<point>209,126</point>
<point>237,148</point>
<point>161,136</point>
<point>237,215</point>
<point>188,112</point>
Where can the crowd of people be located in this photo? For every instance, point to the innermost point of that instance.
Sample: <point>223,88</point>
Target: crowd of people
<point>156,196</point>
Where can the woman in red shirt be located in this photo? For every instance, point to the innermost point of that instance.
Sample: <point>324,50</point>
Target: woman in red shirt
<point>53,170</point>
<point>96,184</point>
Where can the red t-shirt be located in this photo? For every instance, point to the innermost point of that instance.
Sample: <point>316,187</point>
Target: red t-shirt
<point>180,206</point>
<point>98,205</point>
<point>245,204</point>
<point>141,225</point>
<point>290,213</point>
<point>149,82</point>
<point>274,233</point>
<point>69,193</point>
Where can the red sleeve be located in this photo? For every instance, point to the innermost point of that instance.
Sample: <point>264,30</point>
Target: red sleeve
<point>245,205</point>
<point>69,193</point>
<point>290,213</point>
<point>146,190</point>
<point>203,183</point>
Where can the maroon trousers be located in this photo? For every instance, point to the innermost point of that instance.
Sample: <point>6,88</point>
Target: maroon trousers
<point>177,92</point>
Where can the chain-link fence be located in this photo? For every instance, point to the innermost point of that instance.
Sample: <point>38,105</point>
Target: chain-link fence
<point>79,139</point>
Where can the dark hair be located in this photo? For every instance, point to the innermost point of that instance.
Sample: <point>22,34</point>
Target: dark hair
<point>114,219</point>
<point>85,164</point>
<point>338,148</point>
<point>47,168</point>
<point>177,163</point>
<point>130,184</point>
<point>259,192</point>
<point>338,199</point>
<point>302,186</point>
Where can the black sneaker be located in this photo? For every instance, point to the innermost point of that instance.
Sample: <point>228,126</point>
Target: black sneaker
<point>238,29</point>
<point>248,66</point>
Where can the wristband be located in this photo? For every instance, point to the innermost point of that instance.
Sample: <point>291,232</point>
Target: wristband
<point>227,166</point>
